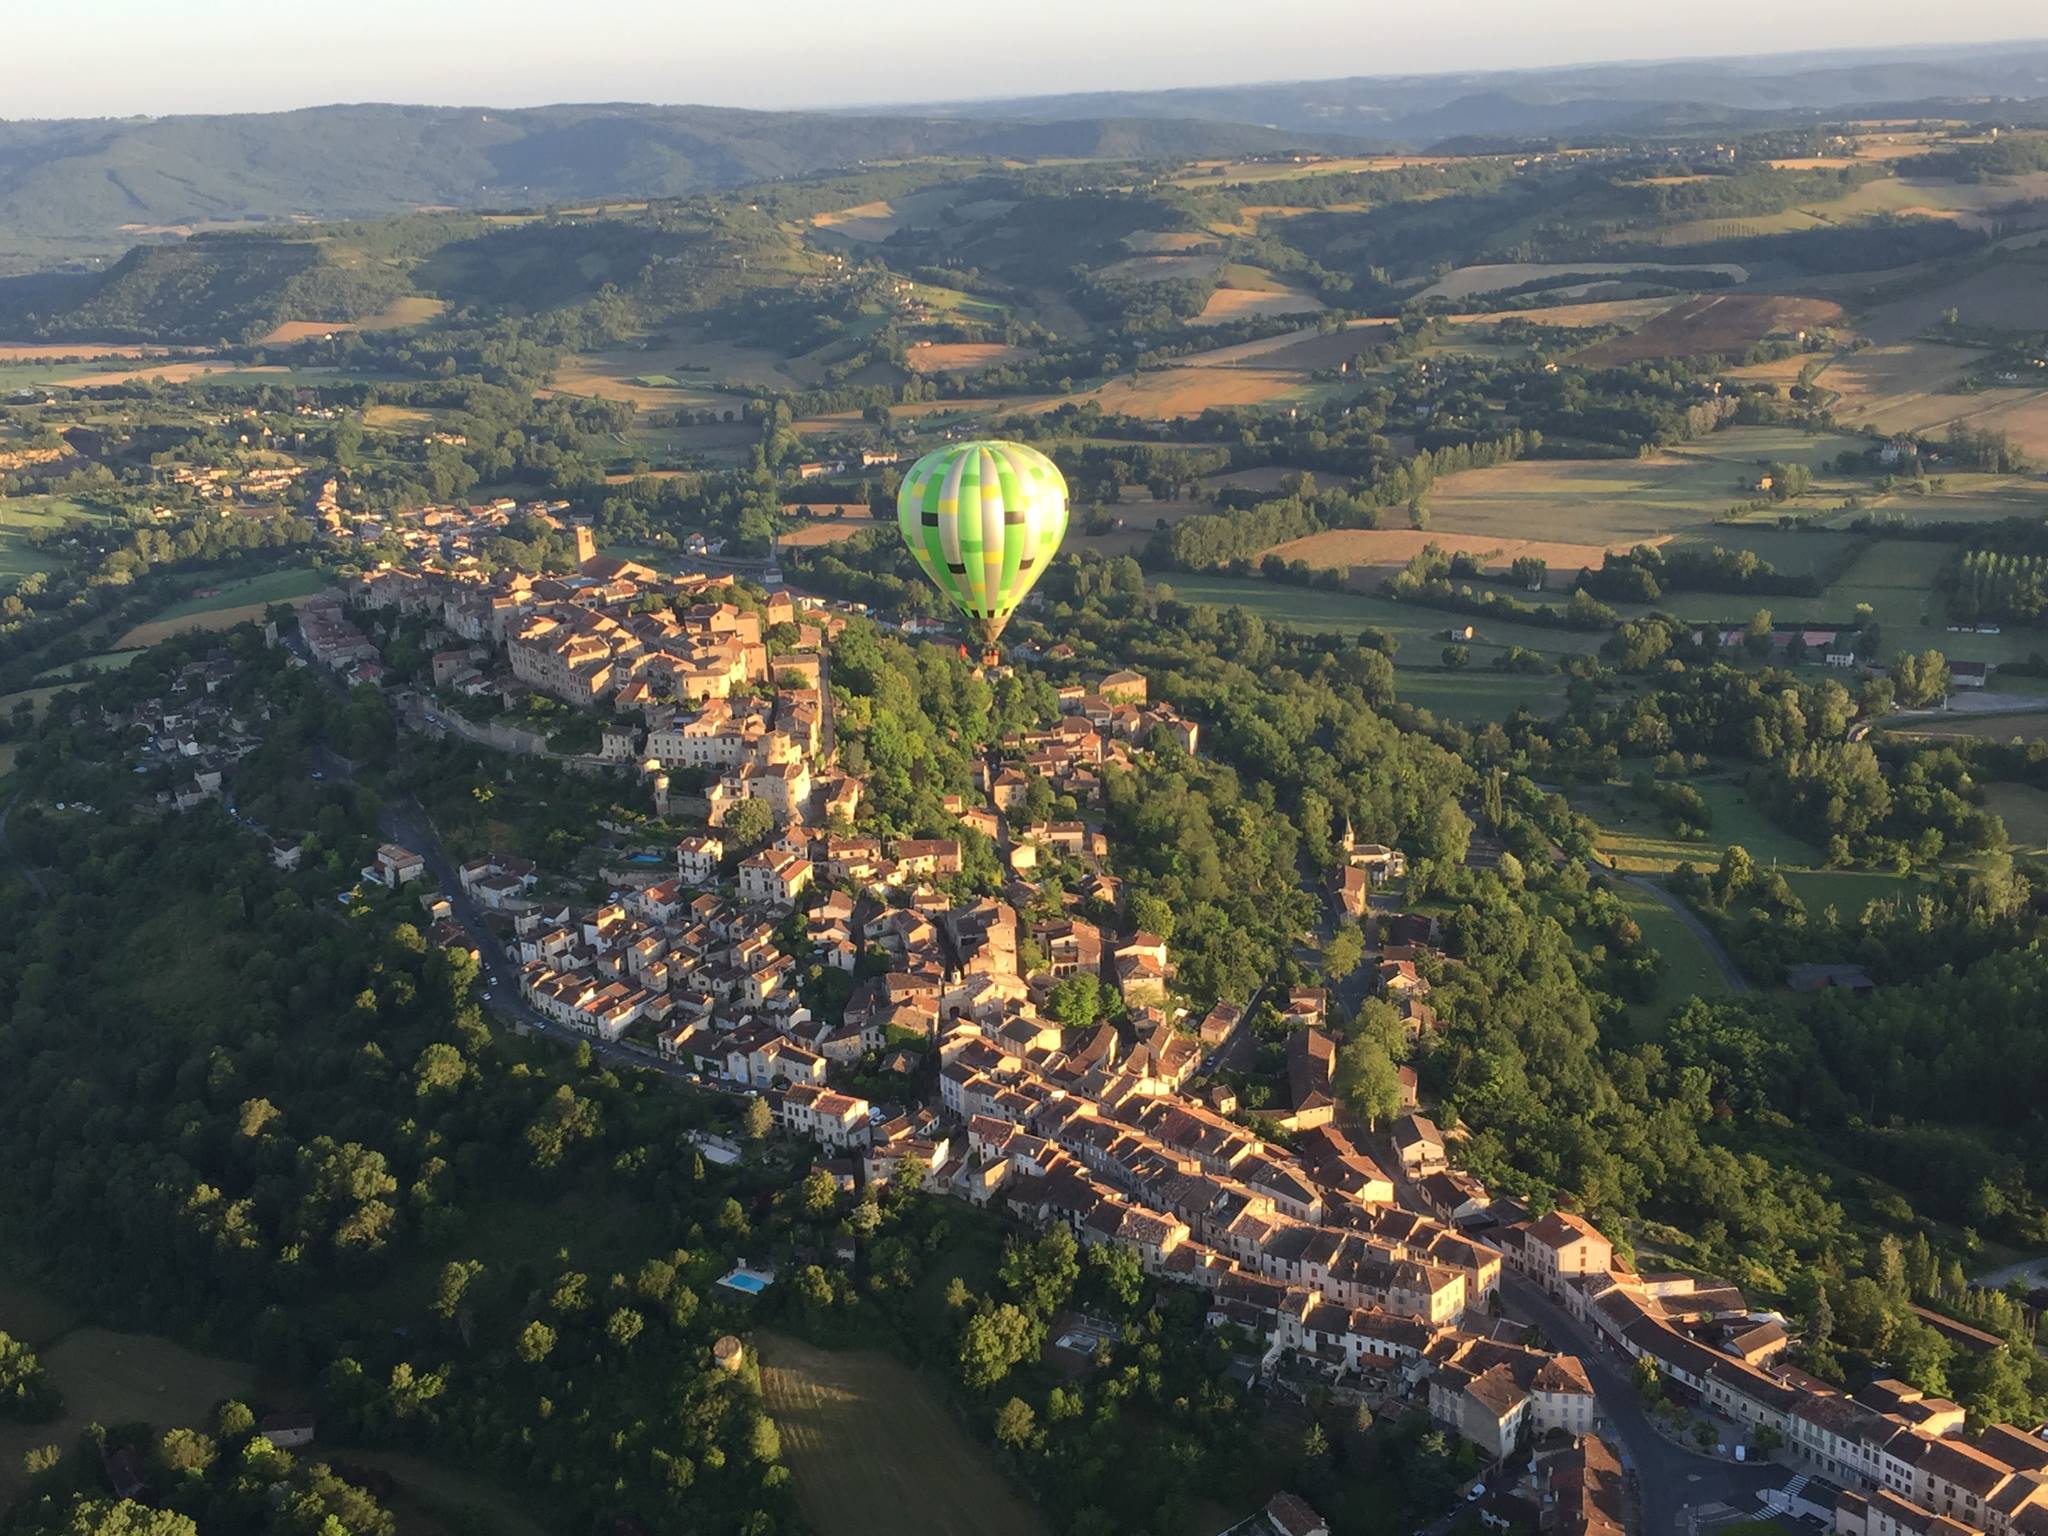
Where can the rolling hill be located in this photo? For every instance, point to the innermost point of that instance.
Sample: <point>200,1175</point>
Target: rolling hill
<point>84,190</point>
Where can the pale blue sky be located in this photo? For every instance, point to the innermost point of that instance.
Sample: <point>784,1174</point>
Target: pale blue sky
<point>117,57</point>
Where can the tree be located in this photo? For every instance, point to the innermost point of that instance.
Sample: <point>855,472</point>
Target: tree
<point>997,1338</point>
<point>1076,1000</point>
<point>1119,1270</point>
<point>1344,952</point>
<point>748,824</point>
<point>1016,1424</point>
<point>1457,657</point>
<point>1919,681</point>
<point>1043,1273</point>
<point>1368,1082</point>
<point>756,1119</point>
<point>820,1194</point>
<point>186,1452</point>
<point>456,1278</point>
<point>624,1326</point>
<point>536,1342</point>
<point>107,1517</point>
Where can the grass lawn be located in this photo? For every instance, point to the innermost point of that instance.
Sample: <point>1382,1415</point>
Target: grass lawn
<point>1478,696</point>
<point>2024,810</point>
<point>1689,969</point>
<point>875,1452</point>
<point>1636,838</point>
<point>1848,891</point>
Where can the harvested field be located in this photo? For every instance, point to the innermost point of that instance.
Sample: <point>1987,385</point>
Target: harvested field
<point>157,630</point>
<point>864,221</point>
<point>1306,350</point>
<point>1629,312</point>
<point>1227,304</point>
<point>1895,387</point>
<point>1266,477</point>
<point>962,356</point>
<point>170,373</point>
<point>2010,295</point>
<point>686,375</point>
<point>82,351</point>
<point>412,309</point>
<point>1601,503</point>
<point>1160,269</point>
<point>1380,550</point>
<point>1468,282</point>
<point>874,1453</point>
<point>1715,324</point>
<point>1165,242</point>
<point>1164,393</point>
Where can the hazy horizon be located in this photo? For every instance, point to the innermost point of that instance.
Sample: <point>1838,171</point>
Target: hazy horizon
<point>126,58</point>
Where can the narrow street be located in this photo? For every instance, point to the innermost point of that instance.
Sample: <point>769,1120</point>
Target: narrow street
<point>405,822</point>
<point>1672,1481</point>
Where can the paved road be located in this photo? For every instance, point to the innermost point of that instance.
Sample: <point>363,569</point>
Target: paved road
<point>1672,1480</point>
<point>2033,1271</point>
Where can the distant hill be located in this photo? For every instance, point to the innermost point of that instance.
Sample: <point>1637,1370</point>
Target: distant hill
<point>1418,109</point>
<point>213,288</point>
<point>89,188</point>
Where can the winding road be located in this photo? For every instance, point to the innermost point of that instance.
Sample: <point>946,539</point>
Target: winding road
<point>1730,972</point>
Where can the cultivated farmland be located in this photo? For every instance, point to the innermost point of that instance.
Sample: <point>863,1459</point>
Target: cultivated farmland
<point>874,1452</point>
<point>1715,324</point>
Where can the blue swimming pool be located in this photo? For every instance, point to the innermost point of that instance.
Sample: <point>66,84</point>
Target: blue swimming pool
<point>645,858</point>
<point>745,1280</point>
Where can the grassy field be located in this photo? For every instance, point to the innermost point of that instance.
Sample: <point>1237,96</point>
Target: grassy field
<point>1634,838</point>
<point>23,515</point>
<point>429,1494</point>
<point>1625,501</point>
<point>225,606</point>
<point>116,1378</point>
<point>2024,810</point>
<point>874,1451</point>
<point>1419,630</point>
<point>1473,698</point>
<point>1689,968</point>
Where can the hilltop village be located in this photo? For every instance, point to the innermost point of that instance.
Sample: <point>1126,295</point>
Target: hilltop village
<point>1339,1257</point>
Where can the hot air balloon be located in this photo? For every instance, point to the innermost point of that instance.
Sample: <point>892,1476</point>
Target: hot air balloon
<point>984,519</point>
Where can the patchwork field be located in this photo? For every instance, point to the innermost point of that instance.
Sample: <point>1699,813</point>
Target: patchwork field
<point>1715,324</point>
<point>874,1452</point>
<point>1469,282</point>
